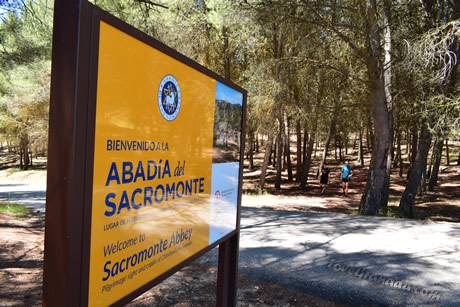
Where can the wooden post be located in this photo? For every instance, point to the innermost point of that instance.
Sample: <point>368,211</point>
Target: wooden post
<point>66,153</point>
<point>227,272</point>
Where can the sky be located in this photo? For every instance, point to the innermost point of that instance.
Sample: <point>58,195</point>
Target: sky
<point>9,5</point>
<point>224,92</point>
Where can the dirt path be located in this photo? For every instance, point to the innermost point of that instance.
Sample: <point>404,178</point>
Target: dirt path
<point>21,260</point>
<point>21,276</point>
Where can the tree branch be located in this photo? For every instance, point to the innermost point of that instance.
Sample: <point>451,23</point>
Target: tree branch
<point>321,64</point>
<point>153,3</point>
<point>345,38</point>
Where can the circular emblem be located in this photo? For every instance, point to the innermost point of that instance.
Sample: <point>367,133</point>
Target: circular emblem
<point>169,99</point>
<point>217,197</point>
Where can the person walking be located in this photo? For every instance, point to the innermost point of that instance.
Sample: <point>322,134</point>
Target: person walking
<point>324,178</point>
<point>346,172</point>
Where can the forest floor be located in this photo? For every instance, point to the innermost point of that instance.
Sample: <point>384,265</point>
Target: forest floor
<point>21,242</point>
<point>441,205</point>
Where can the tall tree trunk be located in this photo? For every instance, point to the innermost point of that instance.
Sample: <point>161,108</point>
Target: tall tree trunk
<point>335,147</point>
<point>311,141</point>
<point>397,148</point>
<point>408,143</point>
<point>387,76</point>
<point>268,150</point>
<point>284,158</point>
<point>26,157</point>
<point>226,53</point>
<point>298,130</point>
<point>340,150</point>
<point>422,185</point>
<point>398,158</point>
<point>398,136</point>
<point>251,151</point>
<point>284,136</point>
<point>21,154</point>
<point>401,164</point>
<point>414,139</point>
<point>406,205</point>
<point>330,135</point>
<point>274,112</point>
<point>433,153</point>
<point>288,150</point>
<point>316,145</point>
<point>436,163</point>
<point>304,145</point>
<point>447,153</point>
<point>25,152</point>
<point>345,145</point>
<point>375,191</point>
<point>414,145</point>
<point>307,161</point>
<point>370,135</point>
<point>361,150</point>
<point>279,156</point>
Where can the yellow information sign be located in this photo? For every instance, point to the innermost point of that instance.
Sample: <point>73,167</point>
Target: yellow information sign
<point>147,167</point>
<point>153,159</point>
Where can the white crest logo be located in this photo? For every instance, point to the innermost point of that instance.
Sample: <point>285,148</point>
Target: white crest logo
<point>169,98</point>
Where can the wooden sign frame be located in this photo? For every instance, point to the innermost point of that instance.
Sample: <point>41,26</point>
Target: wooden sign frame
<point>71,157</point>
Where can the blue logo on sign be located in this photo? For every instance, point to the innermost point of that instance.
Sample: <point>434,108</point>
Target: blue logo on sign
<point>169,98</point>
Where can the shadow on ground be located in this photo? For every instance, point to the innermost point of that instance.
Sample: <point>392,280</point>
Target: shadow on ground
<point>352,260</point>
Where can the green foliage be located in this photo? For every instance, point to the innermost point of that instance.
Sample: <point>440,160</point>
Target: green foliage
<point>228,113</point>
<point>432,58</point>
<point>25,34</point>
<point>144,15</point>
<point>433,55</point>
<point>12,208</point>
<point>24,111</point>
<point>25,56</point>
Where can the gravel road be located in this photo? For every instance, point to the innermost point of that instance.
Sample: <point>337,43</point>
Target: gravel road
<point>352,260</point>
